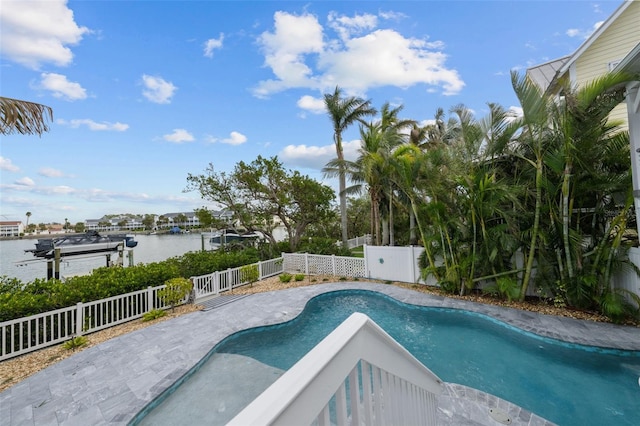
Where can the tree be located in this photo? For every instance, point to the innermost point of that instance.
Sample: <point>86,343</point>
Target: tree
<point>28,216</point>
<point>79,227</point>
<point>205,217</point>
<point>344,111</point>
<point>181,219</point>
<point>263,195</point>
<point>148,221</point>
<point>23,117</point>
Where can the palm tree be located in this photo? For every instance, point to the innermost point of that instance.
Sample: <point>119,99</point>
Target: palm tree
<point>395,132</point>
<point>344,111</point>
<point>23,117</point>
<point>28,216</point>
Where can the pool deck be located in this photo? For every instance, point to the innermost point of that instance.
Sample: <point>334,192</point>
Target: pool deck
<point>110,383</point>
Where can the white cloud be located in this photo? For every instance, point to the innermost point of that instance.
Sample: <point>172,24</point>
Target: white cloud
<point>93,125</point>
<point>346,26</point>
<point>37,32</point>
<point>25,181</point>
<point>235,138</point>
<point>61,87</point>
<point>179,136</point>
<point>212,44</point>
<point>386,58</point>
<point>285,49</point>
<point>581,33</point>
<point>7,165</point>
<point>311,104</point>
<point>50,172</point>
<point>378,57</point>
<point>316,157</point>
<point>157,89</point>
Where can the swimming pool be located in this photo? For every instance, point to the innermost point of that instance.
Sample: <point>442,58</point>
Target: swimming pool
<point>567,384</point>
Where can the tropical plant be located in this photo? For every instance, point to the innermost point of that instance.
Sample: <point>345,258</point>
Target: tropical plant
<point>343,112</point>
<point>153,314</point>
<point>27,118</point>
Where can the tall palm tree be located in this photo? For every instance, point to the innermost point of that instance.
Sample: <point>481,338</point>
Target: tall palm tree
<point>23,117</point>
<point>28,216</point>
<point>395,132</point>
<point>344,111</point>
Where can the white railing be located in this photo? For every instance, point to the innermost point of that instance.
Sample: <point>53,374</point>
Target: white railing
<point>358,241</point>
<point>23,335</point>
<point>357,375</point>
<point>221,281</point>
<point>316,264</point>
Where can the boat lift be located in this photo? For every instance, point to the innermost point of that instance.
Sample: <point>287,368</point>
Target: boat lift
<point>90,244</point>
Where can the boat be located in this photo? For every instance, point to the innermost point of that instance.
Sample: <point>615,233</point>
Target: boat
<point>77,244</point>
<point>226,236</point>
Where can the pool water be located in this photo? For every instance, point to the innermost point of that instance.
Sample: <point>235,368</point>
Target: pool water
<point>564,383</point>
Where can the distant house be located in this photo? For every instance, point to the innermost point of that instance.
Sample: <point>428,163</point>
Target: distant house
<point>114,223</point>
<point>11,228</point>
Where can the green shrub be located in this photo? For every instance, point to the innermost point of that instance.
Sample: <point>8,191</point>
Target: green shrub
<point>19,299</point>
<point>175,291</point>
<point>75,343</point>
<point>153,314</point>
<point>285,277</point>
<point>504,287</point>
<point>250,274</point>
<point>299,277</point>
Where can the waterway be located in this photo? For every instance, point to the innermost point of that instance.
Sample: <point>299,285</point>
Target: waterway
<point>14,262</point>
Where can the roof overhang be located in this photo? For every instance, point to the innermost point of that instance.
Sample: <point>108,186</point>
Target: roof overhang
<point>630,63</point>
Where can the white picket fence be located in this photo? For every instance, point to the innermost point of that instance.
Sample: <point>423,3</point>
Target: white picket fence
<point>217,282</point>
<point>23,335</point>
<point>356,375</point>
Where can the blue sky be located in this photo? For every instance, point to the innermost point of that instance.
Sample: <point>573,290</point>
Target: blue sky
<point>146,92</point>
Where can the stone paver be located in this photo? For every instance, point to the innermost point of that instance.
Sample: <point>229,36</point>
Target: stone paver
<point>111,382</point>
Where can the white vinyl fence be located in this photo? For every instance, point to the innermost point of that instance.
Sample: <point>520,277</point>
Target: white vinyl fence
<point>356,375</point>
<point>221,281</point>
<point>358,241</point>
<point>23,335</point>
<point>316,264</point>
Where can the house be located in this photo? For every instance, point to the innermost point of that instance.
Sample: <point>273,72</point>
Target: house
<point>614,46</point>
<point>601,53</point>
<point>11,228</point>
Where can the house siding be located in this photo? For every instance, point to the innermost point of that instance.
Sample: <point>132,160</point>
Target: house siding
<point>612,45</point>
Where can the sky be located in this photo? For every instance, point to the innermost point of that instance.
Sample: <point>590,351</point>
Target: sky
<point>145,93</point>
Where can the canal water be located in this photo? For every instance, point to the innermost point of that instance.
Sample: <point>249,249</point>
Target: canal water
<point>14,262</point>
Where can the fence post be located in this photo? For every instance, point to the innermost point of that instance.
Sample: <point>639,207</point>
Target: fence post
<point>150,301</point>
<point>79,318</point>
<point>412,259</point>
<point>333,264</point>
<point>366,264</point>
<point>306,263</point>
<point>260,270</point>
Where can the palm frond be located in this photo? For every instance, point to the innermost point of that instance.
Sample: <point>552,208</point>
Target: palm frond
<point>23,117</point>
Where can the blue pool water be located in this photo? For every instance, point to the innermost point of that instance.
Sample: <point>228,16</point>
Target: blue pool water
<point>567,384</point>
